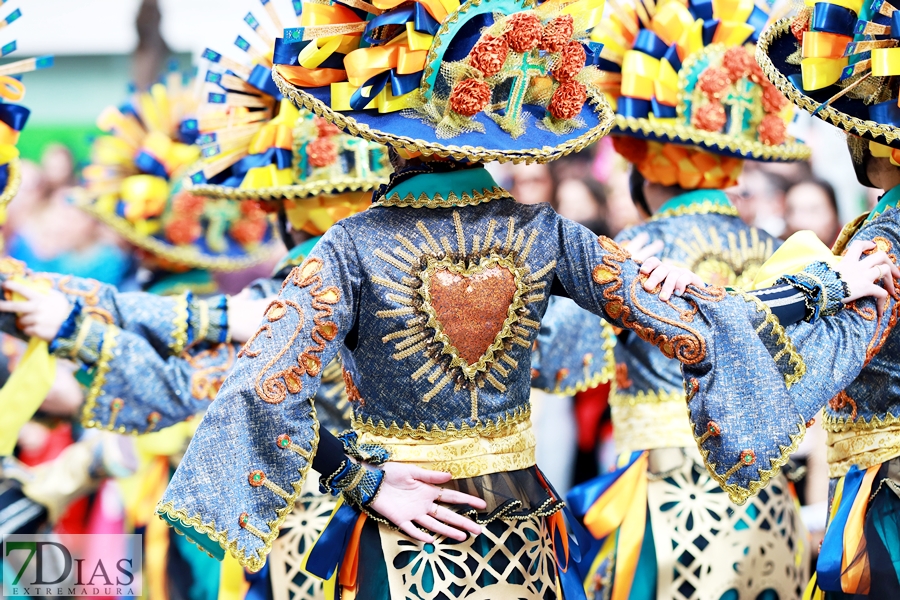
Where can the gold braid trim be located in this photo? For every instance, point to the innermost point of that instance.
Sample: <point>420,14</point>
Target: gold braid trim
<point>310,189</point>
<point>13,181</point>
<point>96,388</point>
<point>736,493</point>
<point>699,208</point>
<point>781,338</point>
<point>180,333</point>
<point>183,255</point>
<point>488,428</point>
<point>471,153</point>
<point>841,424</point>
<point>848,123</point>
<point>438,201</point>
<point>209,529</point>
<point>647,397</point>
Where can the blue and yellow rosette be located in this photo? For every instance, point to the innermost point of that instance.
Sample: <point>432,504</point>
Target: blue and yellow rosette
<point>134,185</point>
<point>833,59</point>
<point>257,146</point>
<point>683,73</point>
<point>491,80</point>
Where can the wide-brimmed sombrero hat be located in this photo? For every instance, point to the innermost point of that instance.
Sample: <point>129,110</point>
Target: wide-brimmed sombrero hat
<point>256,145</point>
<point>133,184</point>
<point>13,115</point>
<point>684,74</point>
<point>837,61</point>
<point>479,80</point>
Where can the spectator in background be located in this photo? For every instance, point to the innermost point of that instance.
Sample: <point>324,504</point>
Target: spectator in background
<point>58,166</point>
<point>533,184</point>
<point>583,200</point>
<point>812,205</point>
<point>760,199</point>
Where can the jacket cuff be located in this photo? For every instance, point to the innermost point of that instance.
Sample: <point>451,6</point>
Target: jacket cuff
<point>80,338</point>
<point>208,321</point>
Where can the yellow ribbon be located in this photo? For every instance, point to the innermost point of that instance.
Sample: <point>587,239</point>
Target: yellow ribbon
<point>232,583</point>
<point>267,176</point>
<point>798,251</point>
<point>11,89</point>
<point>855,575</point>
<point>819,44</point>
<point>29,383</point>
<point>819,73</point>
<point>671,21</point>
<point>144,196</point>
<point>737,11</point>
<point>589,12</point>
<point>8,152</point>
<point>885,62</point>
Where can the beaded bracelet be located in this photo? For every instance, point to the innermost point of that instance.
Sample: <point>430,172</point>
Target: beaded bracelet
<point>356,483</point>
<point>823,287</point>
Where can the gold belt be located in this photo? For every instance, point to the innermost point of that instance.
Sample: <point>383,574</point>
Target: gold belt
<point>650,420</point>
<point>861,448</point>
<point>466,456</point>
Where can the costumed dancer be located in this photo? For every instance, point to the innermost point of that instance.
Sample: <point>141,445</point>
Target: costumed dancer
<point>434,297</point>
<point>692,105</point>
<point>838,61</point>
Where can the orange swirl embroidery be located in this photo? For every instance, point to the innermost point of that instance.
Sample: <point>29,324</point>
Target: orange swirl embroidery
<point>841,401</point>
<point>90,297</point>
<point>689,348</point>
<point>274,388</point>
<point>880,337</point>
<point>207,379</point>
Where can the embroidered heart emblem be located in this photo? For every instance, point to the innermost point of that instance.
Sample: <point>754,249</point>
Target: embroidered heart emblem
<point>472,309</point>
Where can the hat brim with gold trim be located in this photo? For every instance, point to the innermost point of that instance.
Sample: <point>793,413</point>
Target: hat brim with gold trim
<point>133,185</point>
<point>479,81</point>
<point>838,87</point>
<point>683,73</point>
<point>257,146</point>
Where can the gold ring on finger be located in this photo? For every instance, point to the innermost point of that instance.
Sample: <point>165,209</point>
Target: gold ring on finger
<point>440,493</point>
<point>433,511</point>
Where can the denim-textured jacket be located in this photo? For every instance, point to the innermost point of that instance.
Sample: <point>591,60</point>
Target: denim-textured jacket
<point>846,363</point>
<point>702,232</point>
<point>438,307</point>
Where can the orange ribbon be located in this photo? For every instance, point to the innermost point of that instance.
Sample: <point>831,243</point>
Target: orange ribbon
<point>311,77</point>
<point>350,564</point>
<point>819,44</point>
<point>365,63</point>
<point>856,575</point>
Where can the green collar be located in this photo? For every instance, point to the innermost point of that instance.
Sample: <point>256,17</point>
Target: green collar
<point>296,255</point>
<point>464,187</point>
<point>697,202</point>
<point>888,200</point>
<point>196,281</point>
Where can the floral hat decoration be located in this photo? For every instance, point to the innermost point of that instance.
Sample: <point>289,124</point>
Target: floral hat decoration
<point>478,80</point>
<point>689,93</point>
<point>256,145</point>
<point>133,184</point>
<point>838,60</point>
<point>13,116</point>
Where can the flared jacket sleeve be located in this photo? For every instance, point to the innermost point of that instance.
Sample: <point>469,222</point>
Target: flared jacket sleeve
<point>747,431</point>
<point>749,389</point>
<point>245,466</point>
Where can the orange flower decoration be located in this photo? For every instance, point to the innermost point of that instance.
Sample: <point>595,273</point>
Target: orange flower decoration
<point>488,55</point>
<point>322,152</point>
<point>325,128</point>
<point>773,101</point>
<point>525,32</point>
<point>469,97</point>
<point>800,23</point>
<point>557,33</point>
<point>709,117</point>
<point>713,81</point>
<point>248,232</point>
<point>737,62</point>
<point>772,130</point>
<point>183,231</point>
<point>571,61</point>
<point>633,150</point>
<point>757,75</point>
<point>188,204</point>
<point>253,210</point>
<point>567,100</point>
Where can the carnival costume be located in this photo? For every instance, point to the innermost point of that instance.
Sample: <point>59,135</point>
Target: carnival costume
<point>836,60</point>
<point>433,297</point>
<point>691,105</point>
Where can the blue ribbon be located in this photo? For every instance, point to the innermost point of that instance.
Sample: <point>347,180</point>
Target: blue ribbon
<point>150,165</point>
<point>650,43</point>
<point>757,20</point>
<point>422,22</point>
<point>672,57</point>
<point>14,115</point>
<point>400,84</point>
<point>828,568</point>
<point>634,107</point>
<point>701,9</point>
<point>328,551</point>
<point>260,584</point>
<point>663,111</point>
<point>287,53</point>
<point>233,176</point>
<point>709,30</point>
<point>895,24</point>
<point>593,58</point>
<point>188,131</point>
<point>832,18</point>
<point>261,79</point>
<point>886,113</point>
<point>796,80</point>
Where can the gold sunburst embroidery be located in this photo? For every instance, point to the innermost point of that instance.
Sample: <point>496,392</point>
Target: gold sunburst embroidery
<point>490,270</point>
<point>731,260</point>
